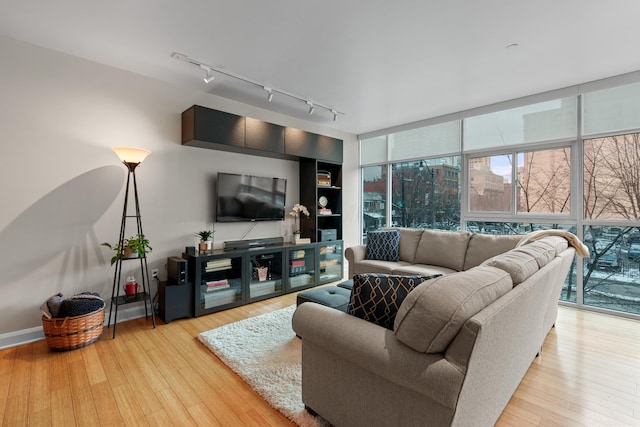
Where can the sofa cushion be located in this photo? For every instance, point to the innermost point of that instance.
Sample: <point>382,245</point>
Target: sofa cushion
<point>433,313</point>
<point>443,248</point>
<point>420,270</point>
<point>559,243</point>
<point>409,239</point>
<point>520,265</point>
<point>375,266</point>
<point>484,246</point>
<point>383,245</point>
<point>541,251</point>
<point>377,297</point>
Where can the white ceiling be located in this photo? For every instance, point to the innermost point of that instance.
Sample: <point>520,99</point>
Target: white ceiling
<point>383,63</point>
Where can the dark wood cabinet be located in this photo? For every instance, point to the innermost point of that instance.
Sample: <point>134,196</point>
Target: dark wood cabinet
<point>310,145</point>
<point>221,279</point>
<point>324,222</point>
<point>264,136</point>
<point>218,130</point>
<point>207,128</point>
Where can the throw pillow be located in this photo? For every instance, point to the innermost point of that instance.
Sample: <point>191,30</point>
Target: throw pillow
<point>377,297</point>
<point>383,245</point>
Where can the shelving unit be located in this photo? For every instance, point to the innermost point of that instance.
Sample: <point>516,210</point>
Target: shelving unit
<point>272,283</point>
<point>311,193</point>
<point>217,282</point>
<point>291,268</point>
<point>301,267</point>
<point>330,261</point>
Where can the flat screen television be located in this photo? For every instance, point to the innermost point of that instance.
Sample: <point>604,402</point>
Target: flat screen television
<point>249,198</point>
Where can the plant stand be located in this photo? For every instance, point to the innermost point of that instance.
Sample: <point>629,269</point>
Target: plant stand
<point>144,296</point>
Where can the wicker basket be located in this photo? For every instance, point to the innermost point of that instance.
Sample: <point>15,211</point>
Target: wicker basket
<point>70,333</point>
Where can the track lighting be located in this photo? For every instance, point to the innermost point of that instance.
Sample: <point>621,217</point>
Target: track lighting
<point>269,93</point>
<point>270,90</point>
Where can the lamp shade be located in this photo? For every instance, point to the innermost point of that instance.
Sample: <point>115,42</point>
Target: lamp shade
<point>131,155</point>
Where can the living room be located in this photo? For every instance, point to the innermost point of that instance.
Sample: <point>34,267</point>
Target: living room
<point>63,185</point>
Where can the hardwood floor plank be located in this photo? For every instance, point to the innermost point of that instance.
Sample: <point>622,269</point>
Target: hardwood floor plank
<point>62,413</point>
<point>587,375</point>
<point>40,386</point>
<point>105,403</point>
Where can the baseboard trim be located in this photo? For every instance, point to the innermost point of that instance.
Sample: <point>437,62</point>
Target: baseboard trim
<point>27,336</point>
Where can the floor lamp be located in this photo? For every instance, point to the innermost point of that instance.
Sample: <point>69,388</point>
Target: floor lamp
<point>131,158</point>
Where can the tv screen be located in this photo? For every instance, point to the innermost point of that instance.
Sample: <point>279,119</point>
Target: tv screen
<point>249,198</point>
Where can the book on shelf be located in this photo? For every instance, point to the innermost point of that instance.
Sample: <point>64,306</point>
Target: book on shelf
<point>324,211</point>
<point>217,282</point>
<point>294,270</point>
<point>217,288</point>
<point>216,285</point>
<point>297,254</point>
<point>217,264</point>
<point>297,263</point>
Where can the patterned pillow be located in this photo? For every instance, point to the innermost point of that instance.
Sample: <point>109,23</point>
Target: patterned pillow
<point>383,245</point>
<point>377,297</point>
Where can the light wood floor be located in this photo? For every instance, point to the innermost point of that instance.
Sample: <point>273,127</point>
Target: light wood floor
<point>588,375</point>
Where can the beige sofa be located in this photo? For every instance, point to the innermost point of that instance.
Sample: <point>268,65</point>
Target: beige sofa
<point>426,252</point>
<point>460,346</point>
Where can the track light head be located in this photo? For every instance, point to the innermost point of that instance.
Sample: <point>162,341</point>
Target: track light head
<point>311,107</point>
<point>335,115</point>
<point>209,77</point>
<point>269,93</point>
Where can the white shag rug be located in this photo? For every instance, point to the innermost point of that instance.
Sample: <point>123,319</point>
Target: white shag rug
<point>265,352</point>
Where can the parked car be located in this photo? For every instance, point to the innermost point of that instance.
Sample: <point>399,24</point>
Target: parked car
<point>608,261</point>
<point>633,253</point>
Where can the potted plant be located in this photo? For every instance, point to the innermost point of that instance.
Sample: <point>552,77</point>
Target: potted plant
<point>205,239</point>
<point>136,246</point>
<point>298,210</point>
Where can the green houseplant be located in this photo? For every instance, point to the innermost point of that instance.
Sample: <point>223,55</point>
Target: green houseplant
<point>205,239</point>
<point>137,245</point>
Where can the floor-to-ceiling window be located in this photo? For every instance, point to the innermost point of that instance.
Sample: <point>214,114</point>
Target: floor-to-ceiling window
<point>611,198</point>
<point>570,163</point>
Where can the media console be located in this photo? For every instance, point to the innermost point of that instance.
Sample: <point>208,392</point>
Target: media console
<point>262,269</point>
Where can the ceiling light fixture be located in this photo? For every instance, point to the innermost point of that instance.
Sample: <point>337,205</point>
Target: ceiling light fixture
<point>209,77</point>
<point>270,90</point>
<point>269,93</point>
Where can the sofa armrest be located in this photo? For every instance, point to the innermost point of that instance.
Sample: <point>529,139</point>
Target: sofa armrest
<point>376,350</point>
<point>354,254</point>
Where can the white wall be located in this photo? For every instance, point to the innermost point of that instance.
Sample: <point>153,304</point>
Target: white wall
<point>63,188</point>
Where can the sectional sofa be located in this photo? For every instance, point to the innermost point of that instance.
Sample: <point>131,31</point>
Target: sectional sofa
<point>460,345</point>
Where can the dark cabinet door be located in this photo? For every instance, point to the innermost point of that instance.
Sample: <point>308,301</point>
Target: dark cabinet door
<point>311,145</point>
<point>264,136</point>
<point>204,127</point>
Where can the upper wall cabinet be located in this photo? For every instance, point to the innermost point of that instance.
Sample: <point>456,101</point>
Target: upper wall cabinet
<point>311,145</point>
<point>264,136</point>
<point>204,127</point>
<point>207,128</point>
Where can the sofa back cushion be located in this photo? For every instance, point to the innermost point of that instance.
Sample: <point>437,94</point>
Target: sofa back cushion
<point>377,297</point>
<point>409,239</point>
<point>540,250</point>
<point>557,242</point>
<point>520,265</point>
<point>433,313</point>
<point>383,245</point>
<point>484,246</point>
<point>443,248</point>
